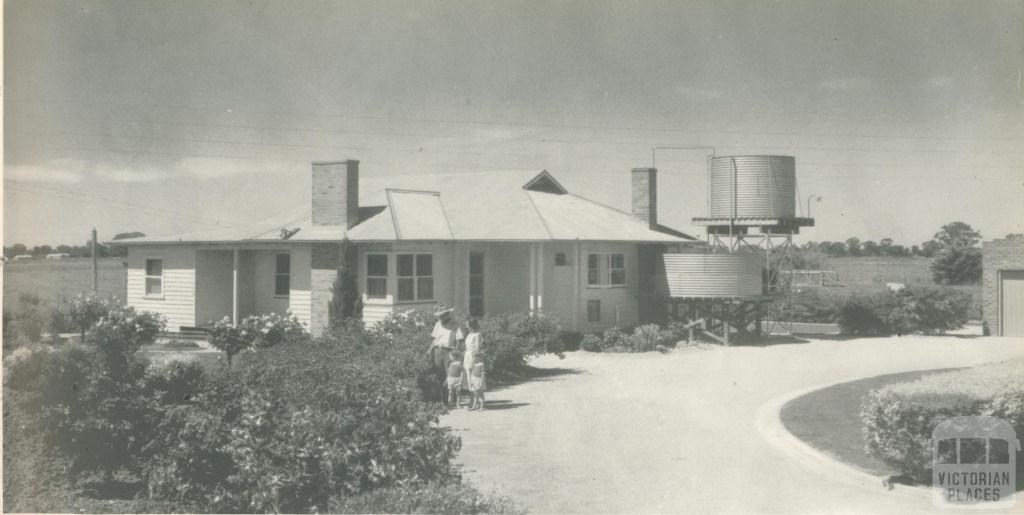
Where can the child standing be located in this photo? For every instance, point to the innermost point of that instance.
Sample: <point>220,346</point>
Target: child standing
<point>474,365</point>
<point>454,380</point>
<point>478,383</point>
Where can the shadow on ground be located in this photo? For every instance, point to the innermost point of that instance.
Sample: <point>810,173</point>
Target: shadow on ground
<point>503,405</point>
<point>527,374</point>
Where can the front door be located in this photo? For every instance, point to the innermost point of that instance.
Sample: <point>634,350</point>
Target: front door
<point>476,284</point>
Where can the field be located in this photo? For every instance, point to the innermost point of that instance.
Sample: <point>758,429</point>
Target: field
<point>870,274</point>
<point>52,281</point>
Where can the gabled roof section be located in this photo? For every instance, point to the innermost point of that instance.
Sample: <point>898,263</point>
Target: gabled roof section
<point>418,215</point>
<point>544,182</point>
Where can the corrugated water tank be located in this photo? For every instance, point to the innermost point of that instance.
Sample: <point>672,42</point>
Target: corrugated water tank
<point>714,275</point>
<point>760,187</point>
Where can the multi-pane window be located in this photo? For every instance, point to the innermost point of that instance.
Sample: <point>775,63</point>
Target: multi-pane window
<point>376,276</point>
<point>606,269</point>
<point>154,277</point>
<point>415,277</point>
<point>560,259</point>
<point>282,275</point>
<point>593,311</point>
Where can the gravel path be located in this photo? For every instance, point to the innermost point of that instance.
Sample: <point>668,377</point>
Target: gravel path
<point>679,432</point>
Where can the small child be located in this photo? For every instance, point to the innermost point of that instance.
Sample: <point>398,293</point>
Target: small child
<point>478,382</point>
<point>454,380</point>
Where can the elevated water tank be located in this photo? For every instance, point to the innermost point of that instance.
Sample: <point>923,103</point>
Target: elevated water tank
<point>760,186</point>
<point>731,275</point>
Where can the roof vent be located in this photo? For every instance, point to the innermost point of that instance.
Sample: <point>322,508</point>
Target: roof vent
<point>545,183</point>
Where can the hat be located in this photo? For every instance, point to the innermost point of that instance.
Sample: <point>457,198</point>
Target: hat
<point>442,310</point>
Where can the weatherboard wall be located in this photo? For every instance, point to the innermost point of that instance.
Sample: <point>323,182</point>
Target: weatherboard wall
<point>177,300</point>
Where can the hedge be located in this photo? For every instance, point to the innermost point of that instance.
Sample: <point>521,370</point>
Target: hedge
<point>898,419</point>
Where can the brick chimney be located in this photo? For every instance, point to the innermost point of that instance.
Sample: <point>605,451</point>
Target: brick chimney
<point>336,193</point>
<point>645,195</point>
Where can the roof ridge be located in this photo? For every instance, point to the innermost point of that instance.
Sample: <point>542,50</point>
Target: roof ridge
<point>540,216</point>
<point>606,206</point>
<point>394,215</point>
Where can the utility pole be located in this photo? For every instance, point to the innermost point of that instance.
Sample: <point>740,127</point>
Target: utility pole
<point>95,269</point>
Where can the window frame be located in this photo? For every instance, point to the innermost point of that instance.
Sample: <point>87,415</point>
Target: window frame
<point>385,277</point>
<point>146,277</point>
<point>278,273</point>
<point>605,271</point>
<point>416,277</point>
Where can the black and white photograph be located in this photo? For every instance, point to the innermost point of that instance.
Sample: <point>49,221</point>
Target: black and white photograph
<point>513,256</point>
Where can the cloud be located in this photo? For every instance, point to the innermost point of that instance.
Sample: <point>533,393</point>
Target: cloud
<point>217,168</point>
<point>72,171</point>
<point>120,174</point>
<point>50,173</point>
<point>846,84</point>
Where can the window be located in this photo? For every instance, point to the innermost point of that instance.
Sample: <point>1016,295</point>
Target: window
<point>282,275</point>
<point>606,269</point>
<point>376,276</point>
<point>560,259</point>
<point>593,311</point>
<point>415,277</point>
<point>154,277</point>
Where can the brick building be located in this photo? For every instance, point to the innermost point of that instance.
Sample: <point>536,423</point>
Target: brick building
<point>1003,286</point>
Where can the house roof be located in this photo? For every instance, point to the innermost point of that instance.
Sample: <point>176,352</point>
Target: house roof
<point>482,206</point>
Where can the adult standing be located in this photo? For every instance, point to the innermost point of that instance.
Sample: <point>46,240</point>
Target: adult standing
<point>446,334</point>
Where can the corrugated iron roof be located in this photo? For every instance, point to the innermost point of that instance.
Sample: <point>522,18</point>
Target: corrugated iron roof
<point>479,206</point>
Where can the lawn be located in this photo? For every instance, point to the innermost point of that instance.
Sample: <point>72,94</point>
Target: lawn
<point>829,419</point>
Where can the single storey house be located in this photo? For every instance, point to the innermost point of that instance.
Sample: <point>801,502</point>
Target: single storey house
<point>483,243</point>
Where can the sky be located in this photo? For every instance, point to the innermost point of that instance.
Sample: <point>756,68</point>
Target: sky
<point>177,116</point>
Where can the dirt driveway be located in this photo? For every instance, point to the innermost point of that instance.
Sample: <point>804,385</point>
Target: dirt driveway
<point>678,432</point>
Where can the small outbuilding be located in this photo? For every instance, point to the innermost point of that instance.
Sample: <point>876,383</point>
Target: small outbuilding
<point>1003,285</point>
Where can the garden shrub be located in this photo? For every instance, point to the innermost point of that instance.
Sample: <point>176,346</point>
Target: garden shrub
<point>256,332</point>
<point>30,320</point>
<point>866,315</point>
<point>650,337</point>
<point>898,419</point>
<point>298,423</point>
<point>592,343</point>
<point>511,339</point>
<point>430,498</point>
<point>85,310</point>
<point>928,310</point>
<point>89,399</point>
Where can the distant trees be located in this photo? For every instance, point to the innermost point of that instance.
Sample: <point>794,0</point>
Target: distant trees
<point>855,247</point>
<point>957,257</point>
<point>40,251</point>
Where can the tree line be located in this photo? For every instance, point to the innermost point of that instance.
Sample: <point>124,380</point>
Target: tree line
<point>75,251</point>
<point>954,250</point>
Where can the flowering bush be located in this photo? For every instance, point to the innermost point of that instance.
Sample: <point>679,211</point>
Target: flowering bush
<point>271,329</point>
<point>122,330</point>
<point>85,309</point>
<point>256,332</point>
